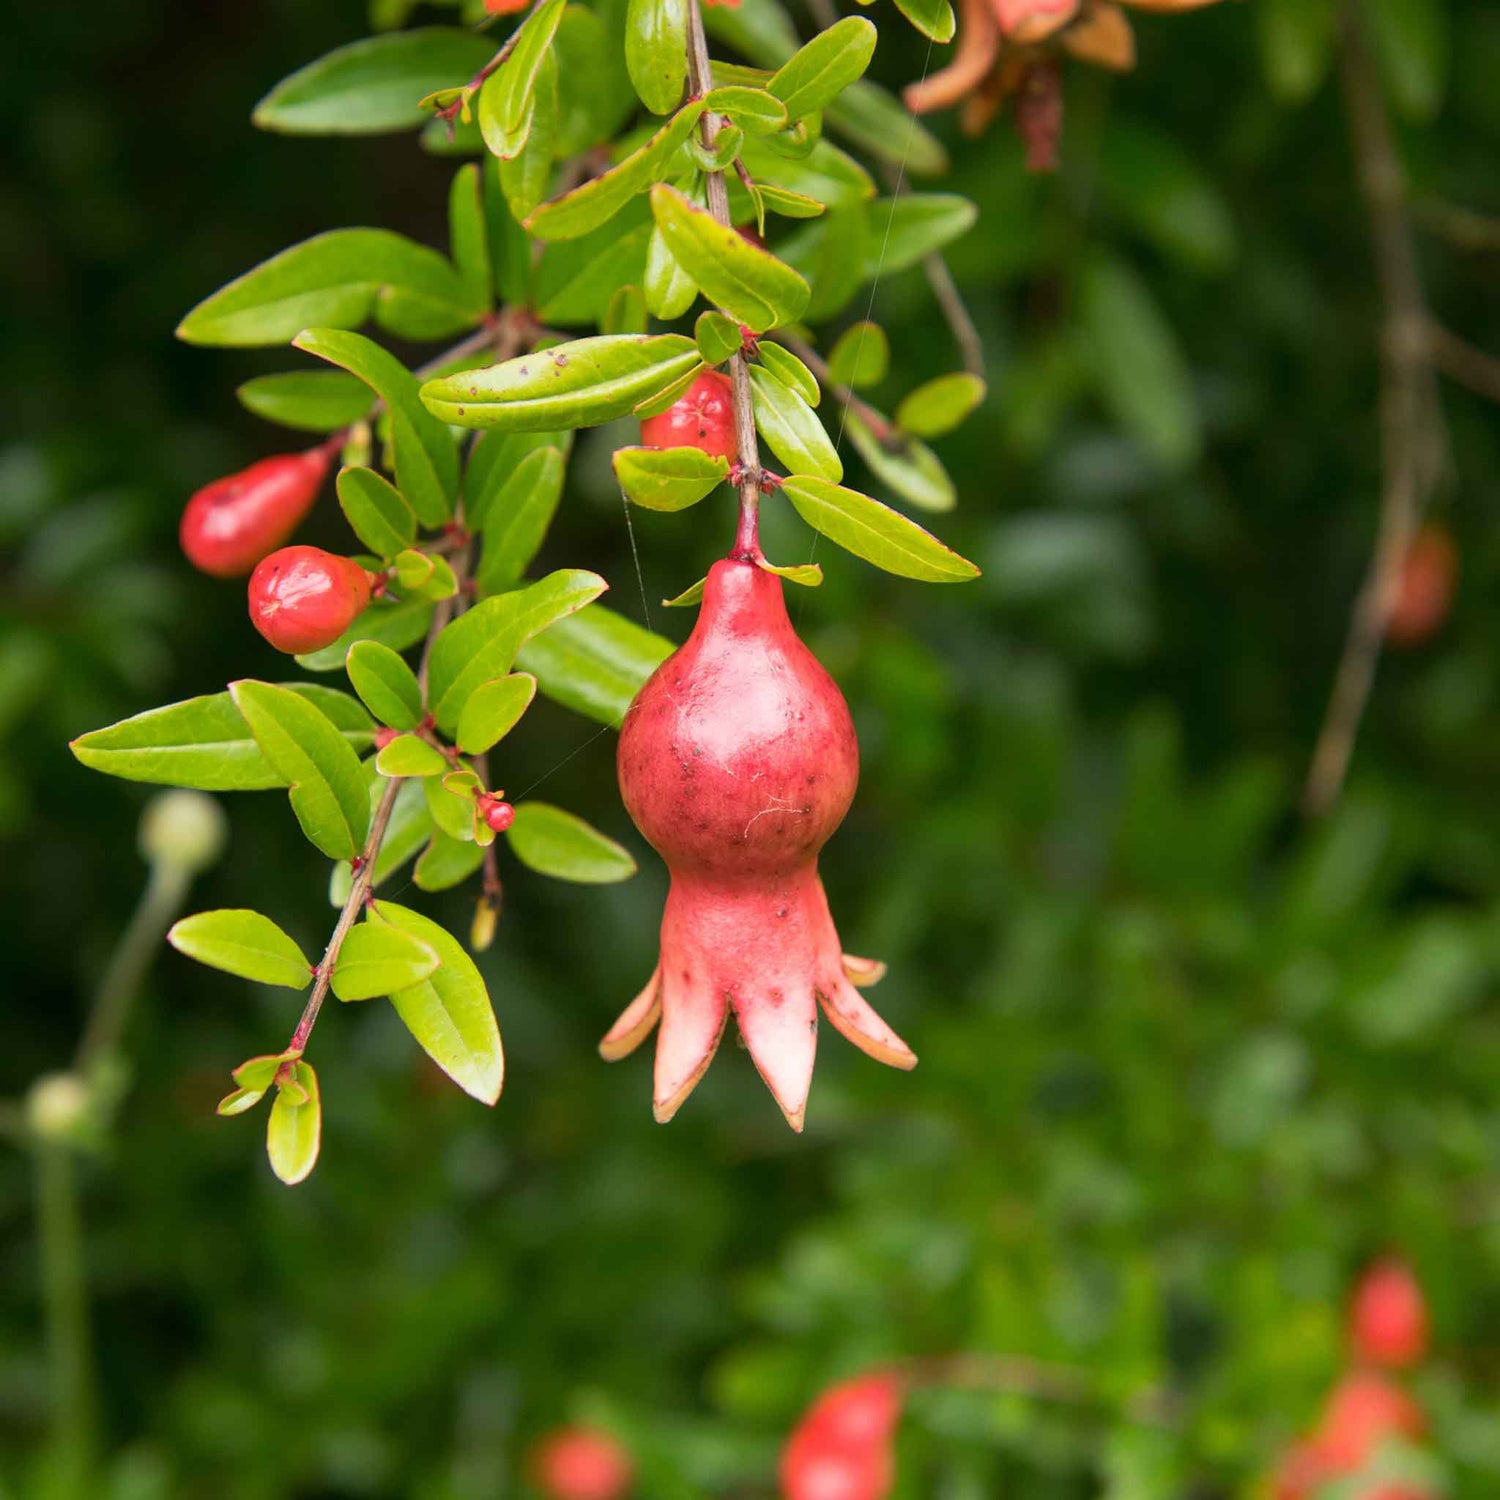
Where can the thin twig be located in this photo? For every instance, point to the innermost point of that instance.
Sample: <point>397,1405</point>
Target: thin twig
<point>880,429</point>
<point>700,80</point>
<point>1411,426</point>
<point>1461,227</point>
<point>1459,360</point>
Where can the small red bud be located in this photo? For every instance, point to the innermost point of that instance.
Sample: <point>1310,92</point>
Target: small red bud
<point>581,1463</point>
<point>302,598</point>
<point>1388,1318</point>
<point>702,418</point>
<point>843,1448</point>
<point>498,814</point>
<point>1424,588</point>
<point>384,736</point>
<point>230,525</point>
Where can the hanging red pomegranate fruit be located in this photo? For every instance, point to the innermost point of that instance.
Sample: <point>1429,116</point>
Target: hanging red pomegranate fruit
<point>737,762</point>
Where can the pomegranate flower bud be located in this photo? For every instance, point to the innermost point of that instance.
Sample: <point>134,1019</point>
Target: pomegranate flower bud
<point>737,762</point>
<point>229,525</point>
<point>1388,1318</point>
<point>303,598</point>
<point>844,1446</point>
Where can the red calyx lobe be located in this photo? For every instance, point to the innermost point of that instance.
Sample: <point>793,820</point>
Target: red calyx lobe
<point>843,1448</point>
<point>737,762</point>
<point>702,417</point>
<point>1388,1318</point>
<point>303,598</point>
<point>230,525</point>
<point>577,1463</point>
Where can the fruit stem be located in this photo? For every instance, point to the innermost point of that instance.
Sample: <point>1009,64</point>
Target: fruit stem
<point>700,81</point>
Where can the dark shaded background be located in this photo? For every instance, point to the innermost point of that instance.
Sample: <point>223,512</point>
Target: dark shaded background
<point>1185,1064</point>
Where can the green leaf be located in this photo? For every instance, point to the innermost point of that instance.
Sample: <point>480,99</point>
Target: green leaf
<point>601,198</point>
<point>376,959</point>
<point>1296,43</point>
<point>445,862</point>
<point>1137,363</point>
<point>940,405</point>
<point>336,280</point>
<point>579,384</point>
<point>792,428</point>
<point>817,73</point>
<point>754,110</point>
<point>526,177</point>
<point>720,154</point>
<point>717,337</point>
<point>656,51</point>
<point>749,283</point>
<point>668,396</point>
<point>669,290</point>
<point>294,1129</point>
<point>791,372</point>
<point>595,662</point>
<point>831,254</point>
<point>244,943</point>
<point>868,117</point>
<point>424,575</point>
<point>204,743</point>
<point>372,86</point>
<point>861,357</point>
<point>590,53</point>
<point>493,710</point>
<point>449,1013</point>
<point>881,536</point>
<point>493,460</point>
<point>576,279</point>
<point>808,575</point>
<point>327,787</point>
<point>553,842</point>
<point>410,755</point>
<point>668,478</point>
<point>507,99</point>
<point>627,312</point>
<point>693,594</point>
<point>452,806</point>
<point>239,1101</point>
<point>260,1072</point>
<point>1413,43</point>
<point>1151,183</point>
<point>468,236</point>
<point>396,623</point>
<point>376,511</point>
<point>516,524</point>
<point>385,683</point>
<point>788,204</point>
<point>933,18</point>
<point>482,643</point>
<point>903,464</point>
<point>423,452</point>
<point>912,226</point>
<point>307,400</point>
<point>826,175</point>
<point>409,828</point>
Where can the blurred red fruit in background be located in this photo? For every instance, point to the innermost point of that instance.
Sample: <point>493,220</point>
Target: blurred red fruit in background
<point>229,525</point>
<point>1424,589</point>
<point>1388,1317</point>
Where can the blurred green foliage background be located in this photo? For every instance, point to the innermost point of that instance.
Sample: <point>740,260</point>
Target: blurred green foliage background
<point>1186,1064</point>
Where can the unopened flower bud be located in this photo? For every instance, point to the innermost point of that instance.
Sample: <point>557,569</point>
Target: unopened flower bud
<point>184,829</point>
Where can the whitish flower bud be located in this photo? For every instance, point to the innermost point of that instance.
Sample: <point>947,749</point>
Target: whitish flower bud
<point>181,828</point>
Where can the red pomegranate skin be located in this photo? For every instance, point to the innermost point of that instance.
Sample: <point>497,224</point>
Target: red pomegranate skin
<point>303,598</point>
<point>843,1448</point>
<point>1388,1318</point>
<point>1364,1410</point>
<point>702,417</point>
<point>230,525</point>
<point>578,1463</point>
<point>737,761</point>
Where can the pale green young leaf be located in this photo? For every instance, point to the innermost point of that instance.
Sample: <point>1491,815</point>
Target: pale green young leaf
<point>526,177</point>
<point>493,710</point>
<point>783,201</point>
<point>445,862</point>
<point>410,755</point>
<point>861,357</point>
<point>376,511</point>
<point>376,959</point>
<point>940,405</point>
<point>240,1100</point>
<point>876,533</point>
<point>336,280</point>
<point>933,18</point>
<point>204,743</point>
<point>754,110</point>
<point>792,429</point>
<point>260,1072</point>
<point>819,71</point>
<point>656,51</point>
<point>905,465</point>
<point>720,154</point>
<point>372,86</point>
<point>244,943</point>
<point>791,372</point>
<point>668,396</point>
<point>693,594</point>
<point>482,643</point>
<point>553,842</point>
<point>326,785</point>
<point>493,460</point>
<point>717,337</point>
<point>826,175</point>
<point>516,524</point>
<point>575,279</point>
<point>451,808</point>
<point>595,662</point>
<point>601,198</point>
<point>468,236</point>
<point>808,575</point>
<point>449,1013</point>
<point>668,478</point>
<point>749,283</point>
<point>669,290</point>
<point>397,623</point>
<point>423,451</point>
<point>294,1129</point>
<point>508,96</point>
<point>580,384</point>
<point>307,400</point>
